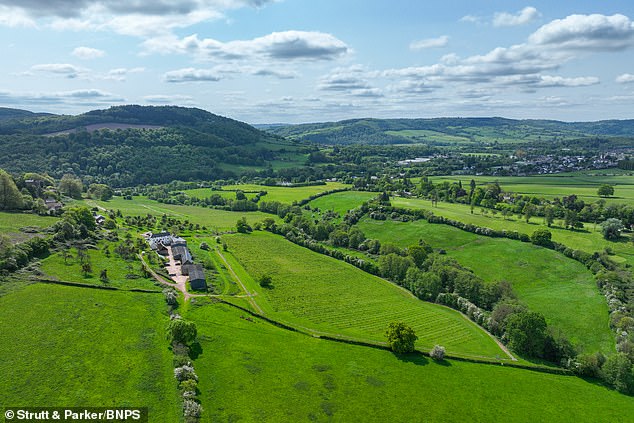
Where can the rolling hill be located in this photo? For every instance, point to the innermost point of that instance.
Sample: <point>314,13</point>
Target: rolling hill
<point>447,131</point>
<point>130,145</point>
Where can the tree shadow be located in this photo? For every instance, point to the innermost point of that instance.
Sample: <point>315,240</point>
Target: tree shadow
<point>195,350</point>
<point>415,357</point>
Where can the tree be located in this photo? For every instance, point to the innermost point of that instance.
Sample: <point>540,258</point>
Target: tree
<point>549,215</point>
<point>529,211</point>
<point>243,227</point>
<point>526,332</point>
<point>71,186</point>
<point>418,254</point>
<point>605,190</point>
<point>618,372</point>
<point>103,276</point>
<point>100,191</point>
<point>86,268</point>
<point>542,237</point>
<point>611,229</point>
<point>181,331</point>
<point>400,337</point>
<point>10,196</point>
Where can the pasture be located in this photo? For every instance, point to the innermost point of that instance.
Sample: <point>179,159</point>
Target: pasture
<point>560,288</point>
<point>252,371</point>
<point>582,184</point>
<point>12,223</point>
<point>216,220</point>
<point>67,346</point>
<point>327,295</point>
<point>341,202</point>
<point>286,194</point>
<point>589,239</point>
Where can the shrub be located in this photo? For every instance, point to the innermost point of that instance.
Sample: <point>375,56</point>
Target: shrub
<point>181,331</point>
<point>437,353</point>
<point>185,372</point>
<point>191,409</point>
<point>542,237</point>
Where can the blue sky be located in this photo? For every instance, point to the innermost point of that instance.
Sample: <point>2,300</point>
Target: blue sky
<point>291,61</point>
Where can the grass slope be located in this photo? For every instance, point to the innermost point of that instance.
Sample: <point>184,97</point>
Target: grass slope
<point>589,239</point>
<point>65,346</point>
<point>251,371</point>
<point>286,194</point>
<point>322,293</point>
<point>548,282</point>
<point>341,202</point>
<point>219,220</point>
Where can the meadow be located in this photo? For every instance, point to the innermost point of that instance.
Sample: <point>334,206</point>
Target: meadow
<point>216,220</point>
<point>327,295</point>
<point>285,194</point>
<point>341,202</point>
<point>54,266</point>
<point>582,184</point>
<point>589,239</point>
<point>12,223</point>
<point>67,346</point>
<point>251,371</point>
<point>562,289</point>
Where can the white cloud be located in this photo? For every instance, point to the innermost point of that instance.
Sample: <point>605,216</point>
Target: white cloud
<point>168,99</point>
<point>133,17</point>
<point>62,69</point>
<point>524,16</point>
<point>120,74</point>
<point>287,45</point>
<point>471,19</point>
<point>625,78</point>
<point>587,32</point>
<point>87,53</point>
<point>191,75</point>
<point>441,41</point>
<point>560,81</point>
<point>85,97</point>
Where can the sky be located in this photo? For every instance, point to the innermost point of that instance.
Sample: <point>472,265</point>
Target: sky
<point>294,61</point>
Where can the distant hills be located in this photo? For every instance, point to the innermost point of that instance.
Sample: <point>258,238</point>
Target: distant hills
<point>129,145</point>
<point>445,130</point>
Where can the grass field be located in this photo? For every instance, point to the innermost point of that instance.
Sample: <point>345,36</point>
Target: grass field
<point>219,220</point>
<point>208,192</point>
<point>251,371</point>
<point>548,282</point>
<point>287,194</point>
<point>325,294</point>
<point>341,202</point>
<point>117,268</point>
<point>11,223</point>
<point>583,184</point>
<point>589,239</point>
<point>66,346</point>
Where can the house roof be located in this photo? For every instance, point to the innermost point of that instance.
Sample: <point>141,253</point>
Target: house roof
<point>196,272</point>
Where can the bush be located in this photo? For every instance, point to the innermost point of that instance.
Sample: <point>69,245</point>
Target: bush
<point>542,237</point>
<point>181,331</point>
<point>265,281</point>
<point>185,372</point>
<point>437,353</point>
<point>191,409</point>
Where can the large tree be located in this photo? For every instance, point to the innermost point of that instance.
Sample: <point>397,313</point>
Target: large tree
<point>400,337</point>
<point>605,190</point>
<point>71,186</point>
<point>10,196</point>
<point>526,332</point>
<point>611,229</point>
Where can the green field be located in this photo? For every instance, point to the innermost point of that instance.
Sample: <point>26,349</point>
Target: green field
<point>562,289</point>
<point>318,292</point>
<point>589,239</point>
<point>117,269</point>
<point>287,194</point>
<point>341,202</point>
<point>78,347</point>
<point>582,184</point>
<point>11,223</point>
<point>213,219</point>
<point>208,192</point>
<point>251,371</point>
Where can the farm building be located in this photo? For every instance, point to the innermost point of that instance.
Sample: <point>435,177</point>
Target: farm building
<point>164,238</point>
<point>181,253</point>
<point>196,276</point>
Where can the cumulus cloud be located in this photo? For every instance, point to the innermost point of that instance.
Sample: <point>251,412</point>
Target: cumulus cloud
<point>168,99</point>
<point>471,19</point>
<point>120,74</point>
<point>587,32</point>
<point>191,75</point>
<point>524,16</point>
<point>87,53</point>
<point>287,45</point>
<point>441,41</point>
<point>131,17</point>
<point>625,78</point>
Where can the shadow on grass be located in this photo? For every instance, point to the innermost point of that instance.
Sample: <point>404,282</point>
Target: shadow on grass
<point>419,359</point>
<point>195,350</point>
